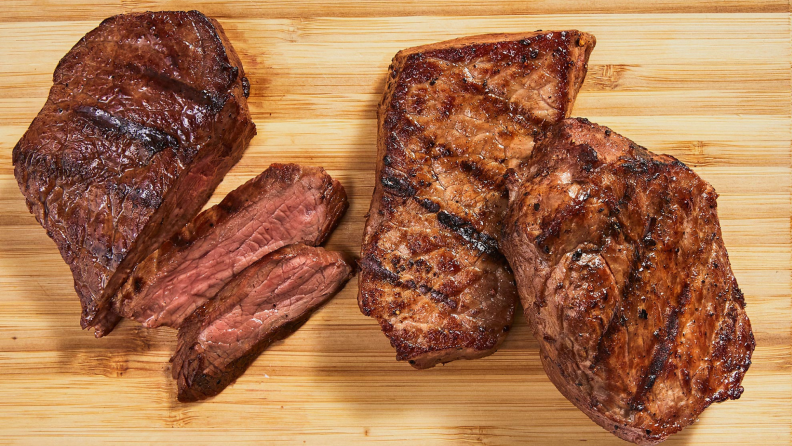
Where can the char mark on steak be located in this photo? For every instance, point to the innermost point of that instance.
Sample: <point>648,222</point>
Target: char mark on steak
<point>265,303</point>
<point>146,115</point>
<point>285,204</point>
<point>454,117</point>
<point>625,281</point>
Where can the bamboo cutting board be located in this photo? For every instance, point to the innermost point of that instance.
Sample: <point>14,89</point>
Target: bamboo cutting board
<point>707,82</point>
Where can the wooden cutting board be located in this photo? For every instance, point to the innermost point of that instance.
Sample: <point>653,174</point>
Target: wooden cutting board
<point>707,82</point>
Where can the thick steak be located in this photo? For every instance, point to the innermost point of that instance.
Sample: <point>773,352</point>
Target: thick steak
<point>285,204</point>
<point>625,281</point>
<point>455,115</point>
<point>146,115</point>
<point>265,303</point>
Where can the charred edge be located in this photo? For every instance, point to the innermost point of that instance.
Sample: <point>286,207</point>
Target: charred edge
<point>245,87</point>
<point>212,102</point>
<point>373,265</point>
<point>155,140</point>
<point>662,351</point>
<point>482,242</point>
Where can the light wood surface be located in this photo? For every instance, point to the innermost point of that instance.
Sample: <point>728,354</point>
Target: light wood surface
<point>708,82</point>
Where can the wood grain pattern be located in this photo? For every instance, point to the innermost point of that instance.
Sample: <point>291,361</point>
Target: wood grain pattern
<point>708,82</point>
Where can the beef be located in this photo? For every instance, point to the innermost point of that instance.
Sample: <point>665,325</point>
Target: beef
<point>146,115</point>
<point>625,281</point>
<point>265,303</point>
<point>455,115</point>
<point>285,204</point>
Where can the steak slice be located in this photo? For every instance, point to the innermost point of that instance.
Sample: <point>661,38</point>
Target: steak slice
<point>285,204</point>
<point>455,115</point>
<point>146,115</point>
<point>267,302</point>
<point>625,281</point>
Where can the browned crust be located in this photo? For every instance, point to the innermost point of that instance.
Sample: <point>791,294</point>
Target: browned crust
<point>458,347</point>
<point>531,220</point>
<point>234,142</point>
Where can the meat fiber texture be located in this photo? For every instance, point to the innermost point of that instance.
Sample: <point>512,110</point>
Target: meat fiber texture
<point>454,117</point>
<point>267,302</point>
<point>147,113</point>
<point>285,204</point>
<point>625,281</point>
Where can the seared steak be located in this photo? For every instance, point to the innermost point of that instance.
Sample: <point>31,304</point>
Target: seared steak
<point>146,115</point>
<point>625,281</point>
<point>455,115</point>
<point>285,204</point>
<point>265,303</point>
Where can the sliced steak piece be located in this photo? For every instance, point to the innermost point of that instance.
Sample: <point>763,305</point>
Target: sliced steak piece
<point>146,115</point>
<point>625,281</point>
<point>455,115</point>
<point>267,302</point>
<point>285,204</point>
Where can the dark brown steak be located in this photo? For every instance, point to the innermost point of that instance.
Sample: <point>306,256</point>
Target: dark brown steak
<point>146,115</point>
<point>455,115</point>
<point>285,204</point>
<point>265,303</point>
<point>625,281</point>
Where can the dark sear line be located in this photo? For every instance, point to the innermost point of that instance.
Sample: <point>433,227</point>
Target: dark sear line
<point>154,139</point>
<point>646,363</point>
<point>374,266</point>
<point>214,103</point>
<point>482,242</point>
<point>448,114</point>
<point>662,351</point>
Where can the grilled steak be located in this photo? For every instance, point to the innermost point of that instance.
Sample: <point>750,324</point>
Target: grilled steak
<point>625,281</point>
<point>146,115</point>
<point>455,115</point>
<point>265,303</point>
<point>285,204</point>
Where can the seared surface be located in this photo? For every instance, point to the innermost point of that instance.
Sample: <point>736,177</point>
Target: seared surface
<point>146,115</point>
<point>263,304</point>
<point>285,204</point>
<point>455,115</point>
<point>626,282</point>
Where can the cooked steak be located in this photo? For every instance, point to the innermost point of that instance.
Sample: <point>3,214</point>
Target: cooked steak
<point>455,115</point>
<point>625,281</point>
<point>285,204</point>
<point>146,115</point>
<point>265,303</point>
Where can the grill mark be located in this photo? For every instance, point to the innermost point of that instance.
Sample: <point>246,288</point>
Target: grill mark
<point>479,240</point>
<point>154,139</point>
<point>552,228</point>
<point>204,98</point>
<point>372,264</point>
<point>397,184</point>
<point>428,204</point>
<point>662,351</point>
<point>632,277</point>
